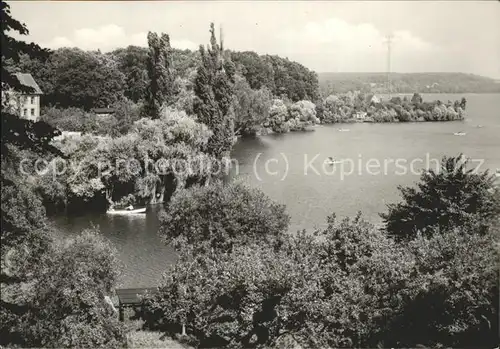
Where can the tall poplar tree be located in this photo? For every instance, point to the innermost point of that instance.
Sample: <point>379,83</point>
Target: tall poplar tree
<point>214,92</point>
<point>160,77</point>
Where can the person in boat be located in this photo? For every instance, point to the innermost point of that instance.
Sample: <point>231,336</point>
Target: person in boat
<point>130,208</point>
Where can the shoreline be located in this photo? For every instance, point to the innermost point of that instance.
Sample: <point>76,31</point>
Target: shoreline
<point>312,128</point>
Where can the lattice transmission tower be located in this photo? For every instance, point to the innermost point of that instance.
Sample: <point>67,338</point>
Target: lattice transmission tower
<point>389,41</point>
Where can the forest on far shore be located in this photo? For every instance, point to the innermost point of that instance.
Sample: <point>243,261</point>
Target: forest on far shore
<point>407,83</point>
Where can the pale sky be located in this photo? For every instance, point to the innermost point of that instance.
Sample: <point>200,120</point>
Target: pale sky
<point>429,36</point>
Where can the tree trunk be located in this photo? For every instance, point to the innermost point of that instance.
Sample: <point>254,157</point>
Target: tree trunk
<point>180,183</point>
<point>152,198</point>
<point>109,197</point>
<point>158,192</point>
<point>161,191</point>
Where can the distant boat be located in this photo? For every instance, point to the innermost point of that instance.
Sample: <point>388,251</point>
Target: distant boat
<point>479,126</point>
<point>459,134</point>
<point>127,211</point>
<point>343,130</point>
<point>332,161</point>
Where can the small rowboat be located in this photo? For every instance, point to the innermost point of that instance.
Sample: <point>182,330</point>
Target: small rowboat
<point>459,134</point>
<point>331,161</point>
<point>127,212</point>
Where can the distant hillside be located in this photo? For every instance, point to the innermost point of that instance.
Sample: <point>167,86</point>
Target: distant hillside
<point>407,83</point>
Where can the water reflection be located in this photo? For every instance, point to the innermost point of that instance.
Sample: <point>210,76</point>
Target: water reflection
<point>141,250</point>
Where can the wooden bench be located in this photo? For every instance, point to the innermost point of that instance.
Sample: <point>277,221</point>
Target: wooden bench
<point>131,298</point>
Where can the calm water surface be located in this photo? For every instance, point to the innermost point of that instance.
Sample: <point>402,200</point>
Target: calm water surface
<point>311,196</point>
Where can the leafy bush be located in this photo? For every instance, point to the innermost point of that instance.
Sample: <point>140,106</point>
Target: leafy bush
<point>451,197</point>
<point>251,107</point>
<point>250,297</point>
<point>77,120</point>
<point>340,108</point>
<point>26,241</point>
<point>126,113</point>
<point>332,111</point>
<point>329,290</point>
<point>305,111</point>
<point>149,339</point>
<point>221,216</point>
<point>416,98</point>
<point>383,115</point>
<point>184,95</point>
<point>452,298</point>
<point>69,307</point>
<point>83,79</point>
<point>279,75</point>
<point>349,285</point>
<point>70,119</point>
<point>278,115</point>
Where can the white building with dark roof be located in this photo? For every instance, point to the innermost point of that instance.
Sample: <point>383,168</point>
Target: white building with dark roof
<point>26,104</point>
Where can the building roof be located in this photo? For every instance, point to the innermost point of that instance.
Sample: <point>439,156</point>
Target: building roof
<point>371,97</point>
<point>27,80</point>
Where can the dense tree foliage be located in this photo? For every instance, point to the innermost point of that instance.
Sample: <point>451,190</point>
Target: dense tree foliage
<point>14,49</point>
<point>25,241</point>
<point>446,198</point>
<point>220,216</point>
<point>349,285</point>
<point>281,76</point>
<point>83,79</point>
<point>25,235</point>
<point>70,77</point>
<point>302,115</point>
<point>255,69</point>
<point>348,106</point>
<point>452,301</point>
<point>250,298</point>
<point>214,96</point>
<point>155,158</point>
<point>69,306</point>
<point>285,116</point>
<point>34,280</point>
<point>336,108</point>
<point>15,131</point>
<point>78,120</point>
<point>160,76</point>
<point>132,63</point>
<point>251,107</point>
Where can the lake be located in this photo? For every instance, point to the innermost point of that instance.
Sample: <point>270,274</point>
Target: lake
<point>290,169</point>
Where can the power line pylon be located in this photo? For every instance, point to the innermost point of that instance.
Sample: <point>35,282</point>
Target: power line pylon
<point>389,40</point>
